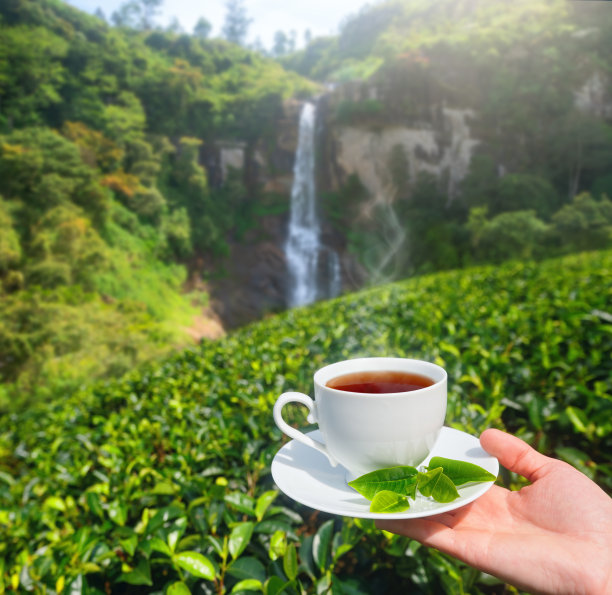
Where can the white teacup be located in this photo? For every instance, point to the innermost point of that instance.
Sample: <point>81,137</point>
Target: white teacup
<point>363,431</point>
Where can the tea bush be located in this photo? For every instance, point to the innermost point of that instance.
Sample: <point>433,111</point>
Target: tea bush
<point>160,482</point>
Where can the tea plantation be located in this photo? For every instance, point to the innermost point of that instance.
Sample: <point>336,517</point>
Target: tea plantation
<point>160,482</point>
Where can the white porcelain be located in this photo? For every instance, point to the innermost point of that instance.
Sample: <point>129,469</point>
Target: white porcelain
<point>365,432</point>
<point>306,476</point>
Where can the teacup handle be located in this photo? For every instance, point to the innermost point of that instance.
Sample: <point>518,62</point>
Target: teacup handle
<point>283,426</point>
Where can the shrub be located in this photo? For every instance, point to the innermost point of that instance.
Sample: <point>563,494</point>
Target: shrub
<point>160,482</point>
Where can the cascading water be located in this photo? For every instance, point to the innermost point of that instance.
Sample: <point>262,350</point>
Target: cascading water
<point>303,247</point>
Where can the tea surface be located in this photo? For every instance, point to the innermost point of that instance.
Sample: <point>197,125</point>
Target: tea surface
<point>378,382</point>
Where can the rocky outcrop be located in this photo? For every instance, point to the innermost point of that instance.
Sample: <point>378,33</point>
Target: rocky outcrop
<point>594,97</point>
<point>253,280</point>
<point>442,145</point>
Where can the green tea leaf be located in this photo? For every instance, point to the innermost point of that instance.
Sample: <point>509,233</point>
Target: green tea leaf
<point>241,502</point>
<point>117,512</point>
<point>401,480</point>
<point>274,585</point>
<point>263,502</point>
<point>321,544</point>
<point>239,538</point>
<point>249,584</point>
<point>278,545</point>
<point>93,502</point>
<point>55,503</point>
<point>159,545</point>
<point>129,544</point>
<point>460,472</point>
<point>178,588</point>
<point>196,564</point>
<point>290,563</point>
<point>176,532</point>
<point>141,575</point>
<point>578,418</point>
<point>436,484</point>
<point>247,567</point>
<point>388,501</point>
<point>306,555</point>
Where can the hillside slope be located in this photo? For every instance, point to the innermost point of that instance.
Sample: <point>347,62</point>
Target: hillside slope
<point>105,204</point>
<point>164,477</point>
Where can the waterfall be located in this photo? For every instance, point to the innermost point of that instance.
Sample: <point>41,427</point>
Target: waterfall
<point>303,249</point>
<point>335,274</point>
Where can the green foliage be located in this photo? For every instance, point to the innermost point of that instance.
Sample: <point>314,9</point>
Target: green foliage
<point>339,205</point>
<point>585,224</point>
<point>161,480</point>
<point>103,188</point>
<point>202,28</point>
<point>10,246</point>
<point>30,73</point>
<point>519,192</point>
<point>519,233</point>
<point>41,169</point>
<point>85,292</point>
<point>236,25</point>
<point>137,14</point>
<point>350,112</point>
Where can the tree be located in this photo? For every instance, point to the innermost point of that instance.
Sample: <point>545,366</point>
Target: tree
<point>518,192</point>
<point>584,224</point>
<point>174,26</point>
<point>137,14</point>
<point>292,41</point>
<point>10,247</point>
<point>202,28</point>
<point>280,44</point>
<point>42,169</point>
<point>149,9</point>
<point>100,14</point>
<point>258,46</point>
<point>31,74</point>
<point>125,15</point>
<point>515,234</point>
<point>237,23</point>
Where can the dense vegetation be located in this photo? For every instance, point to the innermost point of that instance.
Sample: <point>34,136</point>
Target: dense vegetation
<point>103,198</point>
<point>535,79</point>
<point>161,482</point>
<point>158,480</point>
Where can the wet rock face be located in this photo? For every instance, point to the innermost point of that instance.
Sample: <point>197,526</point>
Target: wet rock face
<point>253,282</point>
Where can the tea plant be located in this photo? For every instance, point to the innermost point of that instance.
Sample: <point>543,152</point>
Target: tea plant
<point>160,482</point>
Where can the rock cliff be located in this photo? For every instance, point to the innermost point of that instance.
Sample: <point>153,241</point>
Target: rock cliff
<point>441,139</point>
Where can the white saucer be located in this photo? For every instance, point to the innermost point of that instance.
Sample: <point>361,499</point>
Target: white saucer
<point>306,476</point>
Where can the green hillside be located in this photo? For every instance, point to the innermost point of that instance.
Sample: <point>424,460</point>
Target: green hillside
<point>104,202</point>
<point>387,33</point>
<point>160,482</point>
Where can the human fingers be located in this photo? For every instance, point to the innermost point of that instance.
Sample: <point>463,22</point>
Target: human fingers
<point>431,533</point>
<point>514,454</point>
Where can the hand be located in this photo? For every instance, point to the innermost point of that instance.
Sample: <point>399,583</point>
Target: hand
<point>553,536</point>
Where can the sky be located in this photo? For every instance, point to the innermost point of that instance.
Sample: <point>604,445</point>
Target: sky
<point>322,17</point>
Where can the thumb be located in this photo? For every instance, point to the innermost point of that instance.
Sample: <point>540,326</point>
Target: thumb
<point>514,454</point>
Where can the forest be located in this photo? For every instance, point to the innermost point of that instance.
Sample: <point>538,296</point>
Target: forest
<point>104,200</point>
<point>134,459</point>
<point>107,200</point>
